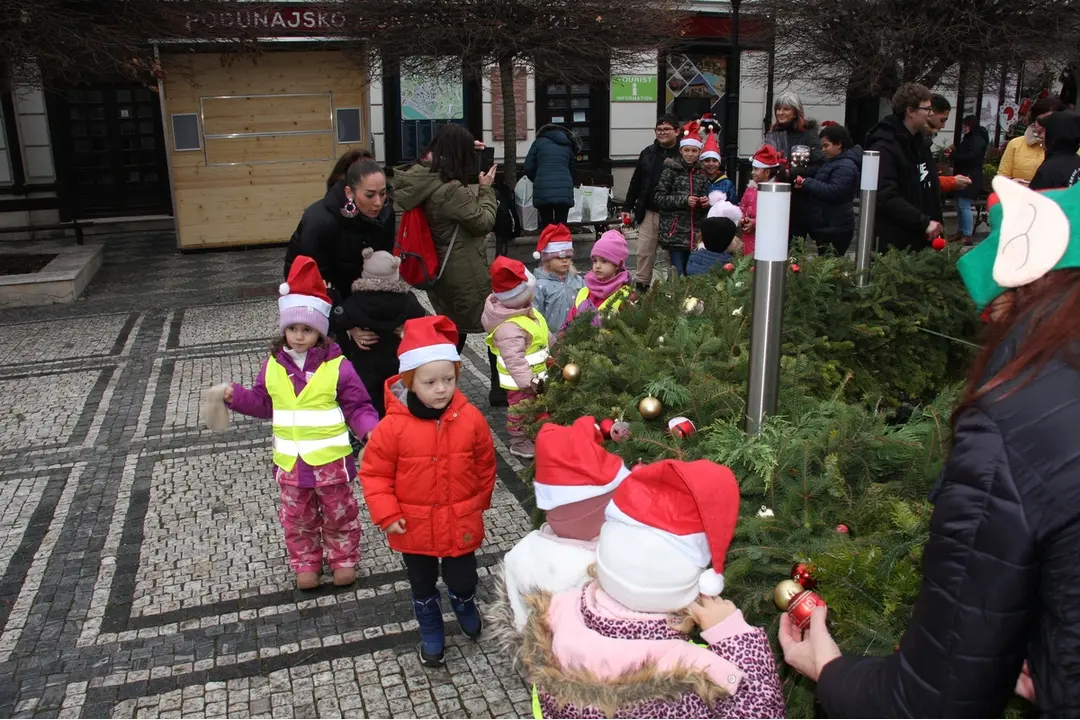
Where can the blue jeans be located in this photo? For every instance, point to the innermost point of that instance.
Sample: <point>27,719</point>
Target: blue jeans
<point>965,218</point>
<point>679,258</point>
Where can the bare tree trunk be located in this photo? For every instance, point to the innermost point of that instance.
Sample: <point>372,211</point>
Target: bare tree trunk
<point>506,81</point>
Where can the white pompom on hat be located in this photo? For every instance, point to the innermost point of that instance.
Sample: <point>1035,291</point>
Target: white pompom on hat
<point>663,519</point>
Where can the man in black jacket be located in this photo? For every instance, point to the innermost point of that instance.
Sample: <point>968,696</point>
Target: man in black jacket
<point>1061,168</point>
<point>905,211</point>
<point>640,205</point>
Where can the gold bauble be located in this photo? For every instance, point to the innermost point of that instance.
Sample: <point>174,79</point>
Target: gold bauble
<point>693,306</point>
<point>650,408</point>
<point>571,373</point>
<point>785,591</point>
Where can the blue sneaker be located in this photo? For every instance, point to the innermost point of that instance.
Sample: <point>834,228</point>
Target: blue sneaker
<point>432,637</point>
<point>468,615</point>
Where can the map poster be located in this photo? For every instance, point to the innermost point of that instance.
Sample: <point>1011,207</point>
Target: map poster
<point>431,97</point>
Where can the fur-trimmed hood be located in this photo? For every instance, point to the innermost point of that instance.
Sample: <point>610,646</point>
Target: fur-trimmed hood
<point>379,284</point>
<point>584,689</point>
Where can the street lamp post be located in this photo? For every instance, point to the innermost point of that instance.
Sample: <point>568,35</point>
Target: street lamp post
<point>731,121</point>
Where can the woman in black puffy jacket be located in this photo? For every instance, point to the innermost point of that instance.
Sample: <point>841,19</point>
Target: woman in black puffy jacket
<point>1001,577</point>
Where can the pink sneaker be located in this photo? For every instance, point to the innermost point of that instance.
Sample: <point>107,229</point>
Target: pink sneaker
<point>522,447</point>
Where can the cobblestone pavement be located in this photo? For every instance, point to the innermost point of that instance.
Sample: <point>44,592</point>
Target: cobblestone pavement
<point>142,567</point>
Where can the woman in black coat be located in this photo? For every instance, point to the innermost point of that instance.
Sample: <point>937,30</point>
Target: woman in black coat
<point>1001,580</point>
<point>355,214</point>
<point>550,167</point>
<point>833,190</point>
<point>792,129</point>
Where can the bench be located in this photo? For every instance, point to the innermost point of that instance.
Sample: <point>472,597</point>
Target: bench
<point>73,225</point>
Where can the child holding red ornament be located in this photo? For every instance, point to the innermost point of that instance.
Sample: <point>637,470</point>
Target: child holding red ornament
<point>574,481</point>
<point>619,647</point>
<point>608,285</point>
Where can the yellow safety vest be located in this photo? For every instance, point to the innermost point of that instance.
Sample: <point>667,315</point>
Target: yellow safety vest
<point>609,306</point>
<point>536,354</point>
<point>310,425</point>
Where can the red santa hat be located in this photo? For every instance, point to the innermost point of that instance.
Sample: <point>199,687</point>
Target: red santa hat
<point>555,241</point>
<point>666,524</point>
<point>510,278</point>
<point>572,464</point>
<point>303,298</point>
<point>691,138</point>
<point>766,157</point>
<point>712,147</point>
<point>427,339</point>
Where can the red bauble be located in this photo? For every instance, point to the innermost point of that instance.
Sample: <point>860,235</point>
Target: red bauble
<point>795,267</point>
<point>804,575</point>
<point>938,243</point>
<point>627,220</point>
<point>605,427</point>
<point>729,267</point>
<point>542,417</point>
<point>681,427</point>
<point>550,362</point>
<point>801,606</point>
<point>843,529</point>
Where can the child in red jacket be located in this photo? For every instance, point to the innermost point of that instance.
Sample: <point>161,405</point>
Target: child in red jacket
<point>428,474</point>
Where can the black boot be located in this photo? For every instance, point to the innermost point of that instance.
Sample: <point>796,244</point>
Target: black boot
<point>468,615</point>
<point>497,396</point>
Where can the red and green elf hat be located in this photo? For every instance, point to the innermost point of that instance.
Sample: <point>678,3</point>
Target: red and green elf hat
<point>1031,233</point>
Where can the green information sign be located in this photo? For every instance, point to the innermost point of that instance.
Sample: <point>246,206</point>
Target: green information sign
<point>633,88</point>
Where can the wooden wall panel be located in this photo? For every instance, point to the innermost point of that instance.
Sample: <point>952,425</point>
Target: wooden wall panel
<point>252,204</point>
<point>270,149</point>
<point>262,114</point>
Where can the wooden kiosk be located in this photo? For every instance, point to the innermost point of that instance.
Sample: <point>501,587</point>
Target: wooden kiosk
<point>251,139</point>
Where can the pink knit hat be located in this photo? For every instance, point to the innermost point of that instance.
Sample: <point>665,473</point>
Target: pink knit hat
<point>612,247</point>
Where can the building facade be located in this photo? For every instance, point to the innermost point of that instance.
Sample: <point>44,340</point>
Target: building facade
<point>234,148</point>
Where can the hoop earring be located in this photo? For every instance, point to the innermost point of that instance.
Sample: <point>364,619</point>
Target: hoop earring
<point>350,210</point>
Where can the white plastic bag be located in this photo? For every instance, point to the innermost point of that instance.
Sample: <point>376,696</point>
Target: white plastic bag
<point>523,198</point>
<point>594,203</point>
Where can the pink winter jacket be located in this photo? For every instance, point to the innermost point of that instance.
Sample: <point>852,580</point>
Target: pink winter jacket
<point>511,340</point>
<point>748,205</point>
<point>610,660</point>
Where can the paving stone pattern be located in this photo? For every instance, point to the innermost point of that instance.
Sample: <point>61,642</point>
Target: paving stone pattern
<point>142,566</point>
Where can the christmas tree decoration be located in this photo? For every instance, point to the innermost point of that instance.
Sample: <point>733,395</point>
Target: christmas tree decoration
<point>627,220</point>
<point>801,606</point>
<point>543,417</point>
<point>660,340</point>
<point>620,431</point>
<point>605,426</point>
<point>681,427</point>
<point>571,372</point>
<point>729,267</point>
<point>843,529</point>
<point>650,408</point>
<point>785,591</point>
<point>803,574</point>
<point>857,438</point>
<point>938,243</point>
<point>795,267</point>
<point>693,306</point>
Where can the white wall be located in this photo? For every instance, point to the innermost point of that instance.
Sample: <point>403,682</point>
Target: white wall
<point>34,136</point>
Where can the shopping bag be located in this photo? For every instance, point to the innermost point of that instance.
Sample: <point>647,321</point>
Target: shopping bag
<point>523,199</point>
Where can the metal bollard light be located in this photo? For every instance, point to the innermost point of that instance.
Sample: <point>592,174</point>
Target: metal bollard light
<point>866,240</point>
<point>770,267</point>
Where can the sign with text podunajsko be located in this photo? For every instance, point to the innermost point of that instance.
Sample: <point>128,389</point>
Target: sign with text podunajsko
<point>633,88</point>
